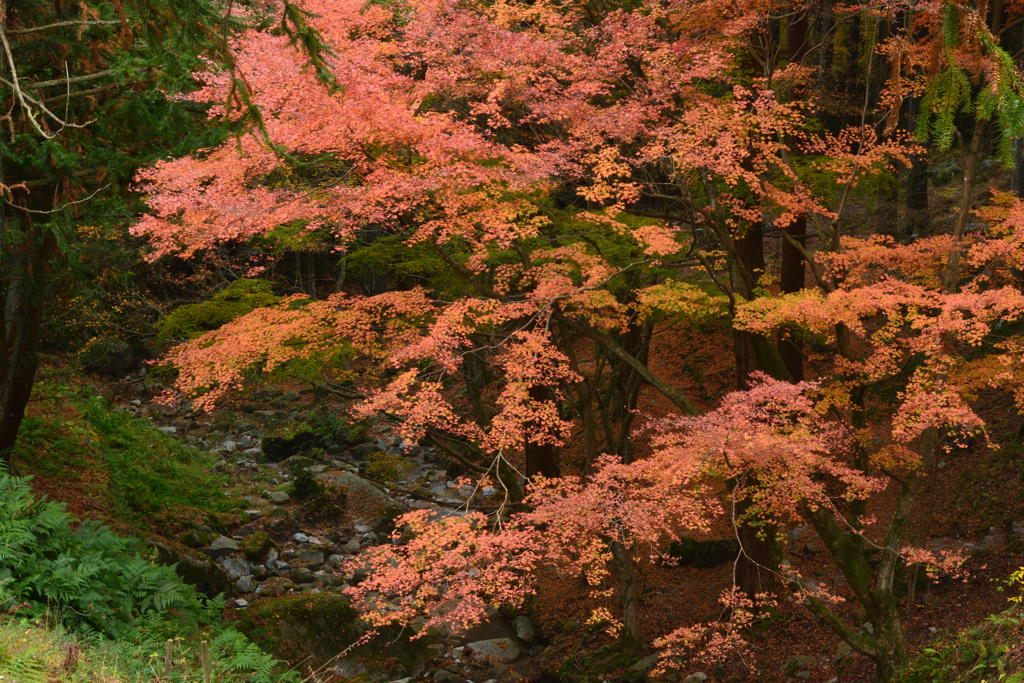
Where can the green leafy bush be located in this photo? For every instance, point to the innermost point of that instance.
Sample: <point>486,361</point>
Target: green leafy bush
<point>237,299</point>
<point>993,651</point>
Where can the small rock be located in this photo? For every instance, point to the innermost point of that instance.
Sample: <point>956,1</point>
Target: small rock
<point>300,538</point>
<point>524,628</point>
<point>279,497</point>
<point>370,537</point>
<point>843,650</point>
<point>800,662</point>
<point>352,547</point>
<point>245,585</point>
<point>335,559</point>
<point>246,531</point>
<point>169,431</point>
<point>327,578</point>
<point>696,677</point>
<point>446,677</point>
<point>639,670</point>
<point>240,603</point>
<point>253,515</point>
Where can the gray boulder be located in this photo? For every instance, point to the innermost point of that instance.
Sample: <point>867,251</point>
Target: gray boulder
<point>235,566</point>
<point>524,629</point>
<point>381,508</point>
<point>301,575</point>
<point>499,649</point>
<point>279,497</point>
<point>310,557</point>
<point>222,546</point>
<point>245,585</point>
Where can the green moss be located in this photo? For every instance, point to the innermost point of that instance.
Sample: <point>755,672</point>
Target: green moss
<point>237,299</point>
<point>133,472</point>
<point>285,441</point>
<point>257,545</point>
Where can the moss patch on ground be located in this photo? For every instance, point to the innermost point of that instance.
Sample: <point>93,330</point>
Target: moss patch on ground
<point>116,467</point>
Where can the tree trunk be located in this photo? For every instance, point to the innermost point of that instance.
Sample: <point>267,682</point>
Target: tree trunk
<point>853,39</point>
<point>629,586</point>
<point>473,389</point>
<point>585,398</point>
<point>25,279</point>
<point>916,221</point>
<point>623,446</point>
<point>754,567</point>
<point>970,163</point>
<point>793,275</point>
<point>1017,179</point>
<point>796,38</point>
<point>541,459</point>
<point>823,31</point>
<point>750,252</point>
<point>342,269</point>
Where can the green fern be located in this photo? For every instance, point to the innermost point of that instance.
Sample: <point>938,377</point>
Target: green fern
<point>25,667</point>
<point>99,580</point>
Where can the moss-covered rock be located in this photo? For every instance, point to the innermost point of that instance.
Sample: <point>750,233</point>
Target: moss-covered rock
<point>257,545</point>
<point>197,538</point>
<point>317,628</point>
<point>200,572</point>
<point>284,442</point>
<point>235,300</point>
<point>356,434</point>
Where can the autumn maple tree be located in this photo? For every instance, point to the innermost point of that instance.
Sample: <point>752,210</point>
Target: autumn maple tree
<point>564,178</point>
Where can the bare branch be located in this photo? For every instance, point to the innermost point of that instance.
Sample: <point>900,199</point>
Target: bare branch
<point>62,24</point>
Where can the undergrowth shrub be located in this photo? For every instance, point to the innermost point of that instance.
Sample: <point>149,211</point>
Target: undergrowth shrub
<point>993,651</point>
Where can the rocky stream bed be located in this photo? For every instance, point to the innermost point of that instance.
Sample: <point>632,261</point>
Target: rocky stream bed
<point>283,573</point>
